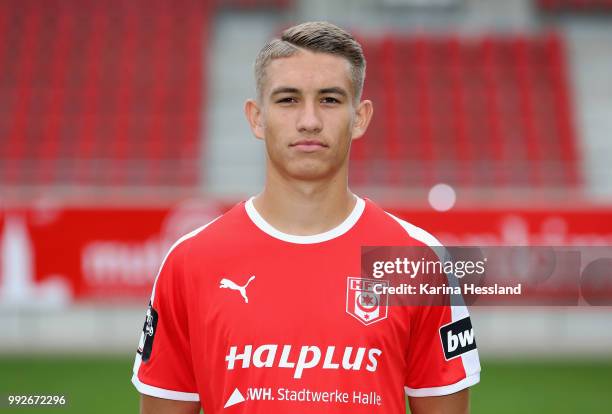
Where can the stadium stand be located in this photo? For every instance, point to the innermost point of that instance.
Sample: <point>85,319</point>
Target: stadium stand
<point>101,93</point>
<point>110,94</point>
<point>493,111</point>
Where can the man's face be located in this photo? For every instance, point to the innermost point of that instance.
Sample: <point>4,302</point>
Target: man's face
<point>307,115</point>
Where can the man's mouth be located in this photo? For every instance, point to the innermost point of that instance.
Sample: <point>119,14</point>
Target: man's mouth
<point>309,145</point>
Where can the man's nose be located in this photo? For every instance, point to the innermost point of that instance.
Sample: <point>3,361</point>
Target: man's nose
<point>309,119</point>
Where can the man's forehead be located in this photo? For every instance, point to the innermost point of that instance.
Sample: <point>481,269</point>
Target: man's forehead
<point>308,70</point>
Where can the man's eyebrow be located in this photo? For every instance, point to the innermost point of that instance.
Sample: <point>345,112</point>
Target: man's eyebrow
<point>284,89</point>
<point>334,89</point>
<point>287,89</point>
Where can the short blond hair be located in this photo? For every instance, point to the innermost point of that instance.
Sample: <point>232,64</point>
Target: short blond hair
<point>323,37</point>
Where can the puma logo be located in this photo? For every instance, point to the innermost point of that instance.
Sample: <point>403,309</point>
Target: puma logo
<point>228,284</point>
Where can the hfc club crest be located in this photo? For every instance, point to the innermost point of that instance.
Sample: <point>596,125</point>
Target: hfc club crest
<point>361,301</point>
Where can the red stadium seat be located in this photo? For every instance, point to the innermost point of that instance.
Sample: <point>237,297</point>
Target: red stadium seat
<point>99,93</point>
<point>493,111</point>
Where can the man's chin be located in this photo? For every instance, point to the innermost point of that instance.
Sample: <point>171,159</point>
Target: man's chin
<point>310,173</point>
<point>307,169</point>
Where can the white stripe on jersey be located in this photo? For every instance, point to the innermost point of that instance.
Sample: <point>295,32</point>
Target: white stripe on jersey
<point>444,390</point>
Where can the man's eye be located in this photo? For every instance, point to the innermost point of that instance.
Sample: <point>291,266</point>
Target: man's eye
<point>286,100</point>
<point>329,99</point>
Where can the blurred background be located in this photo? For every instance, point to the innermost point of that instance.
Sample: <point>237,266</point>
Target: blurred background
<point>121,129</point>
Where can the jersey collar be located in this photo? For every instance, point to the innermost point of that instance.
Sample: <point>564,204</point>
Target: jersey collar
<point>339,230</point>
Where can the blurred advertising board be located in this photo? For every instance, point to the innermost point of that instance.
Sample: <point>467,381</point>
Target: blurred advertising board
<point>56,256</point>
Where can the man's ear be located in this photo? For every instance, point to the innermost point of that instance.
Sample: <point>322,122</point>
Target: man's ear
<point>254,117</point>
<point>363,115</point>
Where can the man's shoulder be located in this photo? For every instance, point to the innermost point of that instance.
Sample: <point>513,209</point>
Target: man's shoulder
<point>382,221</point>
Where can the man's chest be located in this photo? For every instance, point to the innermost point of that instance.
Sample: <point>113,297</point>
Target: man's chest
<point>297,313</point>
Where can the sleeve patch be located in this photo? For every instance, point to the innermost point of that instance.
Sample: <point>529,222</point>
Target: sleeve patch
<point>457,338</point>
<point>148,330</point>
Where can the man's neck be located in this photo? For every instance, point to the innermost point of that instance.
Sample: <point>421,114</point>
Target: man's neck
<point>304,208</point>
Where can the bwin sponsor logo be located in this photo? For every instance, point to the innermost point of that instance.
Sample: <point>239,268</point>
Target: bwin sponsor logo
<point>457,338</point>
<point>308,357</point>
<point>464,339</point>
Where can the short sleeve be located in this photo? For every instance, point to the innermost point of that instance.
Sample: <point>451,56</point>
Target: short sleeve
<point>163,366</point>
<point>442,355</point>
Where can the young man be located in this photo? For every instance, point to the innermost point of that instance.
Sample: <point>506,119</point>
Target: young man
<point>250,313</point>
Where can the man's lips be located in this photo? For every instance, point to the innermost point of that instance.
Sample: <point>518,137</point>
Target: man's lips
<point>308,145</point>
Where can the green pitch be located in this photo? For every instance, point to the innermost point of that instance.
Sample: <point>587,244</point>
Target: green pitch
<point>102,384</point>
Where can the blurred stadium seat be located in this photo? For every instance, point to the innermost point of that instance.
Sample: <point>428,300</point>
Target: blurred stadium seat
<point>101,93</point>
<point>486,112</point>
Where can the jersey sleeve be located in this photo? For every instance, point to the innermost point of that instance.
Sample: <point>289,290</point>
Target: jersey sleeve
<point>442,357</point>
<point>163,365</point>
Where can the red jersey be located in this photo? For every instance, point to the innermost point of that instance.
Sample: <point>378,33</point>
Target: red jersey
<point>247,319</point>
